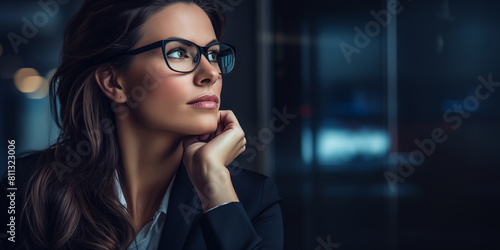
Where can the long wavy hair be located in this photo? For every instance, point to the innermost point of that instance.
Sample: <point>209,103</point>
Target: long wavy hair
<point>71,200</point>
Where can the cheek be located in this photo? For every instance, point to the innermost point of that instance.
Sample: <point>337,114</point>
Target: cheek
<point>162,85</point>
<point>165,104</point>
<point>218,86</point>
<point>172,89</point>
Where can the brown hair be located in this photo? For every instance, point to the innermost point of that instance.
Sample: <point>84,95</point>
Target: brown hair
<point>71,199</point>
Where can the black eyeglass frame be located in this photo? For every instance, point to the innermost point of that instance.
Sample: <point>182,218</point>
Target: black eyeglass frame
<point>162,43</point>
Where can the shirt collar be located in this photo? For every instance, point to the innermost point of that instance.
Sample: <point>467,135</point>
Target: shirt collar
<point>163,205</point>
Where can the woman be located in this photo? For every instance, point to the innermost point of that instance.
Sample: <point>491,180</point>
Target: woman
<point>141,160</point>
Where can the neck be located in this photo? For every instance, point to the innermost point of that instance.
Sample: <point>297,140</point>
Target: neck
<point>150,159</point>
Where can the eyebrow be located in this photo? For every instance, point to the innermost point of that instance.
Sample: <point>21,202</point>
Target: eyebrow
<point>212,42</point>
<point>208,44</point>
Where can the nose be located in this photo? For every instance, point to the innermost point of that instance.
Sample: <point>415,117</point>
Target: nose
<point>206,73</point>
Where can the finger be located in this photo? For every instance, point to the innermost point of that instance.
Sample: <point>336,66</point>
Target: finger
<point>220,128</point>
<point>242,142</point>
<point>230,138</point>
<point>227,117</point>
<point>242,150</point>
<point>235,152</point>
<point>238,152</point>
<point>239,148</point>
<point>188,140</point>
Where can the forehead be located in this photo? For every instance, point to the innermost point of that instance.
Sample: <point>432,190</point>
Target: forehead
<point>180,20</point>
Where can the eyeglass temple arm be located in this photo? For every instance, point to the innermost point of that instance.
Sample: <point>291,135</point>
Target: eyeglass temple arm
<point>145,48</point>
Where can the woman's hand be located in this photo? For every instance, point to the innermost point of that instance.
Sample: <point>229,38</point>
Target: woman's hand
<point>206,162</point>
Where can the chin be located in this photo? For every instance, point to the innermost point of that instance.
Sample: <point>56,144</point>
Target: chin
<point>206,125</point>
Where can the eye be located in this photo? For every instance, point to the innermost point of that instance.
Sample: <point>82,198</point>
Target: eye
<point>177,53</point>
<point>212,56</point>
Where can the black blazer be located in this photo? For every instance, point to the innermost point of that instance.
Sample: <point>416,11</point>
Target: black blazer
<point>253,223</point>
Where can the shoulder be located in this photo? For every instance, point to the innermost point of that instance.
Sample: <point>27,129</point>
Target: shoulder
<point>255,191</point>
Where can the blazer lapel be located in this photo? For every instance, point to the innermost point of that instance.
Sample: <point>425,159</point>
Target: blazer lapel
<point>183,208</point>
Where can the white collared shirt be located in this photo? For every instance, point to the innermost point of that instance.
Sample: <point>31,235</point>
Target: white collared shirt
<point>150,234</point>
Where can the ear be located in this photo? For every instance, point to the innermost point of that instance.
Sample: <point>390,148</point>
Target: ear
<point>106,78</point>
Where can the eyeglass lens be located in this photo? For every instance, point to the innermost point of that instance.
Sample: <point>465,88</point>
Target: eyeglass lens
<point>183,57</point>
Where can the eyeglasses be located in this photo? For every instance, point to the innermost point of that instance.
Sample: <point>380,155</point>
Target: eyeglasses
<point>184,56</point>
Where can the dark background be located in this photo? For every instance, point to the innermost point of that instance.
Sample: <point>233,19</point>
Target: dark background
<point>355,121</point>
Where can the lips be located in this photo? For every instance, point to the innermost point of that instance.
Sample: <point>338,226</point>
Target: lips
<point>205,98</point>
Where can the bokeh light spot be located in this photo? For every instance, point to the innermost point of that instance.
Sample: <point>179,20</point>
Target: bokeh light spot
<point>27,80</point>
<point>30,84</point>
<point>42,90</point>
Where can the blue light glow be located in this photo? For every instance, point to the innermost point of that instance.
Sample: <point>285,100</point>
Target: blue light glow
<point>336,146</point>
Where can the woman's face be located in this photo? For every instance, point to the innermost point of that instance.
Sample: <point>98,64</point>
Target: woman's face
<point>157,97</point>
